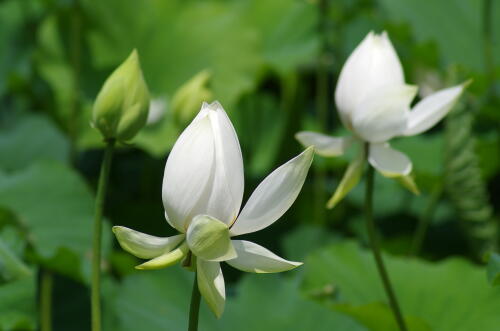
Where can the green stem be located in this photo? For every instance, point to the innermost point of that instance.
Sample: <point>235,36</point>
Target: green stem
<point>96,245</point>
<point>46,285</point>
<point>370,226</point>
<point>194,308</point>
<point>424,221</point>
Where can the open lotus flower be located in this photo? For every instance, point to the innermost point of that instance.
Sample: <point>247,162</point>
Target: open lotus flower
<point>373,102</point>
<point>202,195</point>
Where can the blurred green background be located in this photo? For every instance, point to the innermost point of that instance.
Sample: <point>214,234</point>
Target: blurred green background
<point>273,65</point>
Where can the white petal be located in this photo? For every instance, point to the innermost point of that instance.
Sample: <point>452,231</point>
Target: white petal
<point>432,109</point>
<point>274,195</point>
<point>211,285</point>
<point>324,145</point>
<point>187,172</point>
<point>389,162</point>
<point>373,64</point>
<point>227,188</point>
<point>384,113</point>
<point>143,245</point>
<point>255,258</point>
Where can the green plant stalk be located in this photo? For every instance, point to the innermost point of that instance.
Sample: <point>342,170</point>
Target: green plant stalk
<point>46,286</point>
<point>96,244</point>
<point>370,226</point>
<point>194,308</point>
<point>425,220</point>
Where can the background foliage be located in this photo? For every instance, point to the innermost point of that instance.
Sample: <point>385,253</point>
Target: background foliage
<point>273,65</point>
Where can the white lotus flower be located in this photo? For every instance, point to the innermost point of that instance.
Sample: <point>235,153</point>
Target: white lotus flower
<point>202,195</point>
<point>373,102</point>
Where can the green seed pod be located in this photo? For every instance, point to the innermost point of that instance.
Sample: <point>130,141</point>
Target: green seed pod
<point>121,107</point>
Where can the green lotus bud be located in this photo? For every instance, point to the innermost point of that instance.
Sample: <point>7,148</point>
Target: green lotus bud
<point>121,107</point>
<point>209,239</point>
<point>188,98</point>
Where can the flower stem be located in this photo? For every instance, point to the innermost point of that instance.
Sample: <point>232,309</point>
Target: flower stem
<point>370,226</point>
<point>194,308</point>
<point>96,245</point>
<point>46,286</point>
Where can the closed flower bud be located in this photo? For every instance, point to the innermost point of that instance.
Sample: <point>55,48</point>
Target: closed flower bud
<point>121,107</point>
<point>187,99</point>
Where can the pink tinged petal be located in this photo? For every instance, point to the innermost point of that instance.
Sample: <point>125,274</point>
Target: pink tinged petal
<point>274,195</point>
<point>143,245</point>
<point>389,162</point>
<point>255,258</point>
<point>372,65</point>
<point>224,200</point>
<point>324,145</point>
<point>187,173</point>
<point>211,285</point>
<point>383,114</point>
<point>432,109</point>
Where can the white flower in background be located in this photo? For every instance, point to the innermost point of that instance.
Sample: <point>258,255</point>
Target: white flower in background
<point>157,108</point>
<point>202,195</point>
<point>373,102</point>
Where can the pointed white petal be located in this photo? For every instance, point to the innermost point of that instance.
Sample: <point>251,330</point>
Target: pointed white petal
<point>165,260</point>
<point>209,239</point>
<point>274,195</point>
<point>211,285</point>
<point>143,245</point>
<point>227,189</point>
<point>389,162</point>
<point>432,109</point>
<point>324,145</point>
<point>187,172</point>
<point>372,65</point>
<point>350,179</point>
<point>384,113</point>
<point>255,258</point>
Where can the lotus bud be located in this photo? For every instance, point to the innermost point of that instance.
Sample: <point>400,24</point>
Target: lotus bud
<point>187,99</point>
<point>121,107</point>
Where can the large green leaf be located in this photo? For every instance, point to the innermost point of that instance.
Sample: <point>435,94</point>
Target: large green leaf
<point>493,269</point>
<point>159,300</point>
<point>274,302</point>
<point>55,206</point>
<point>29,138</point>
<point>449,295</point>
<point>450,23</point>
<point>17,305</point>
<point>11,266</point>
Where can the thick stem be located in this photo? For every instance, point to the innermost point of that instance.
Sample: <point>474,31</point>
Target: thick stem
<point>370,226</point>
<point>425,220</point>
<point>194,308</point>
<point>96,245</point>
<point>46,286</point>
